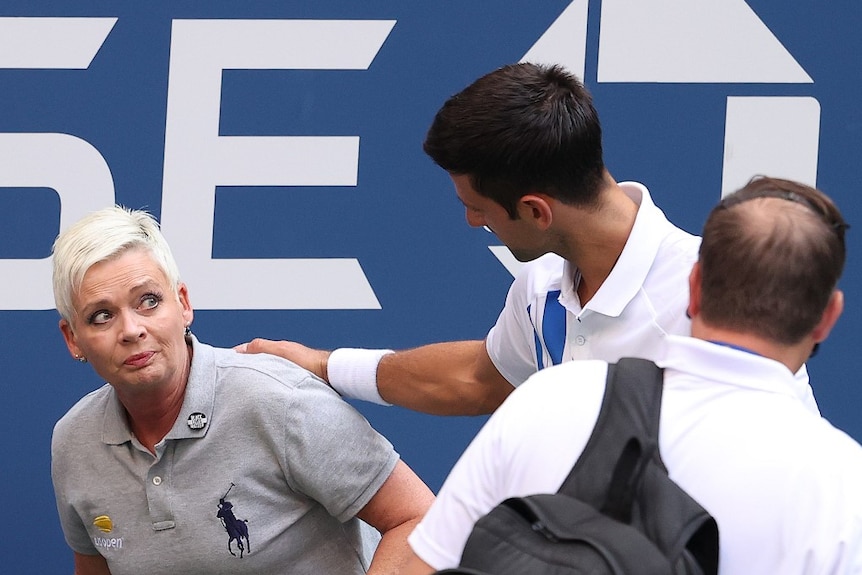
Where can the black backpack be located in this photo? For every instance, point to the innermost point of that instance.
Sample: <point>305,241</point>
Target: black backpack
<point>617,511</point>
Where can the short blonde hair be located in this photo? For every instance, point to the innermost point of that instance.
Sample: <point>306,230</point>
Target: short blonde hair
<point>101,236</point>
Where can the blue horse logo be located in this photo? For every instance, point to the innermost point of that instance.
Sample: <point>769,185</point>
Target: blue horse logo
<point>237,529</point>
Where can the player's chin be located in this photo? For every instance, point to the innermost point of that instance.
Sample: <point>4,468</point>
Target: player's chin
<point>525,257</point>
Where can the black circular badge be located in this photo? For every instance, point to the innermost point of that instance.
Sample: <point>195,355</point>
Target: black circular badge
<point>197,420</point>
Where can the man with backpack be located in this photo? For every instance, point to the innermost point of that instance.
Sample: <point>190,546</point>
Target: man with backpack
<point>783,485</point>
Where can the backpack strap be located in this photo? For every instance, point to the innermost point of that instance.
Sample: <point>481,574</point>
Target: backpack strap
<point>621,473</point>
<point>624,439</point>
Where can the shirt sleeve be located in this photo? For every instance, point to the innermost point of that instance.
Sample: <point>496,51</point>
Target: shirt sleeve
<point>511,343</point>
<point>74,530</point>
<point>528,446</point>
<point>334,454</point>
<point>470,491</point>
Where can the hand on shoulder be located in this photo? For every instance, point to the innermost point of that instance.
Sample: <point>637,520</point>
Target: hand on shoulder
<point>314,360</point>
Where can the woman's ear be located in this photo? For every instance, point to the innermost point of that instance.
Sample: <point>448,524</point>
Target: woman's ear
<point>69,337</point>
<point>185,302</point>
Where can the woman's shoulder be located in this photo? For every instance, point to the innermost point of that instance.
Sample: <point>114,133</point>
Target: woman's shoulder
<point>270,372</point>
<point>86,415</point>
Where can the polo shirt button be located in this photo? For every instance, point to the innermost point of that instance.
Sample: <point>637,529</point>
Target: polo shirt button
<point>580,340</point>
<point>157,480</point>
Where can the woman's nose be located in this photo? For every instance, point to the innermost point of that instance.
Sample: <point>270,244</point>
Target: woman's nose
<point>132,327</point>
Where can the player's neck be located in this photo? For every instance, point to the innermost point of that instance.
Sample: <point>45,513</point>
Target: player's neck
<point>598,237</point>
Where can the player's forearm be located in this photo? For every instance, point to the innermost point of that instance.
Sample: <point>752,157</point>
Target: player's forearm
<point>453,378</point>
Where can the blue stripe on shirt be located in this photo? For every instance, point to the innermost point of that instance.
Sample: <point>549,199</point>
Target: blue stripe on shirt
<point>540,362</point>
<point>553,330</point>
<point>554,326</point>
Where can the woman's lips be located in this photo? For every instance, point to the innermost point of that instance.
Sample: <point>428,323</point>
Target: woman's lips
<point>139,359</point>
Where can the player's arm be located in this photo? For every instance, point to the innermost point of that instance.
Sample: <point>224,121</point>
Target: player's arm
<point>452,378</point>
<point>416,566</point>
<point>394,511</point>
<point>91,565</point>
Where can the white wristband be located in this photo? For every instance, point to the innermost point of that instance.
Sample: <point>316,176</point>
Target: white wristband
<point>352,372</point>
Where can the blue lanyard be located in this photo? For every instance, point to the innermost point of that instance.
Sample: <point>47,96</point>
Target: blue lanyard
<point>732,346</point>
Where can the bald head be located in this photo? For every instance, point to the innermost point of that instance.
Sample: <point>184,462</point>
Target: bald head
<point>770,259</point>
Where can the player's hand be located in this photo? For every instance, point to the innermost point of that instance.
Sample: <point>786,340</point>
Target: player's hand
<point>314,360</point>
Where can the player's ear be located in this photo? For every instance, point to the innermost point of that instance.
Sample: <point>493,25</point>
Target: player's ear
<point>536,207</point>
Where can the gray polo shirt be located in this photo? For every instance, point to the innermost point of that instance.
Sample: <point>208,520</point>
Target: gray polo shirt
<point>261,447</point>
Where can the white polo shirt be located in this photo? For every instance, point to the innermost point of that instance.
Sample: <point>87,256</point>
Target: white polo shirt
<point>641,301</point>
<point>784,485</point>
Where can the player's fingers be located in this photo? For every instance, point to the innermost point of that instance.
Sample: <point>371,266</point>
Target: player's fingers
<point>257,345</point>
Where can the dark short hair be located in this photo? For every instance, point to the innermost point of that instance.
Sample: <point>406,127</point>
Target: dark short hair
<point>522,128</point>
<point>771,257</point>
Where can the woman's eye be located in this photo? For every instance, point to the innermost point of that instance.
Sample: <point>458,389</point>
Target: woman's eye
<point>150,301</point>
<point>100,317</point>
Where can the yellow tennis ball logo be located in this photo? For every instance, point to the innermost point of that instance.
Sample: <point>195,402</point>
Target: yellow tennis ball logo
<point>104,523</point>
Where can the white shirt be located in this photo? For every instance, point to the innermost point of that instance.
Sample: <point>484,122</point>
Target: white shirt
<point>784,485</point>
<point>642,300</point>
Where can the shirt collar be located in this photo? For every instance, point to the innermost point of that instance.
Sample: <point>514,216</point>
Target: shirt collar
<point>115,430</point>
<point>197,406</point>
<point>634,263</point>
<point>728,366</point>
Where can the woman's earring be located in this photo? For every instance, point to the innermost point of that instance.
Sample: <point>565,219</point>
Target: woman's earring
<point>81,358</point>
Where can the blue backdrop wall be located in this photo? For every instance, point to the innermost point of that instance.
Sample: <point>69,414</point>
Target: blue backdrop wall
<point>280,145</point>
